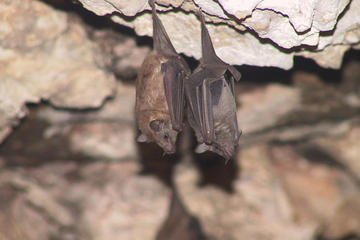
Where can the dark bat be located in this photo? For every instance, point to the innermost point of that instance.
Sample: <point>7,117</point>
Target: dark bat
<point>210,94</point>
<point>160,90</point>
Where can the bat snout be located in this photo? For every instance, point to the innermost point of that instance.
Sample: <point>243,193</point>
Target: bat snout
<point>170,148</point>
<point>169,145</point>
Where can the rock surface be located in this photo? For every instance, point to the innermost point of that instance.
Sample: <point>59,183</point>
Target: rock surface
<point>97,201</point>
<point>76,173</point>
<point>280,194</point>
<point>108,133</point>
<point>61,67</point>
<point>308,108</point>
<point>279,30</point>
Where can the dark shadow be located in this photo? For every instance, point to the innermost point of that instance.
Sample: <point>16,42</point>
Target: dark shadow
<point>154,162</point>
<point>254,77</point>
<point>317,154</point>
<point>180,224</point>
<point>310,66</point>
<point>348,237</point>
<point>27,147</point>
<point>216,171</point>
<point>264,75</point>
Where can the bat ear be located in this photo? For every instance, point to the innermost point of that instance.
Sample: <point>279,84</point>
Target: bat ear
<point>156,125</point>
<point>142,138</point>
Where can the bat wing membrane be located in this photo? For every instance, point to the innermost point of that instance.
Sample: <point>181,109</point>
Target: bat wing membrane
<point>174,75</point>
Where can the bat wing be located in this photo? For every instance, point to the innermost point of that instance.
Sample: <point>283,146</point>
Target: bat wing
<point>211,91</point>
<point>193,95</point>
<point>202,93</point>
<point>236,127</point>
<point>174,75</point>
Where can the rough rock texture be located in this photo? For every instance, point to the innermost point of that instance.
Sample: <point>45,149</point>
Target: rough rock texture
<point>108,133</point>
<point>79,175</point>
<point>257,32</point>
<point>280,194</point>
<point>309,108</point>
<point>97,201</point>
<point>42,57</point>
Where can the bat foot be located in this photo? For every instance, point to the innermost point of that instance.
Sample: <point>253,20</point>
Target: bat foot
<point>201,148</point>
<point>177,127</point>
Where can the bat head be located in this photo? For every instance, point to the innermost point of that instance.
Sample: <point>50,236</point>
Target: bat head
<point>163,134</point>
<point>225,150</point>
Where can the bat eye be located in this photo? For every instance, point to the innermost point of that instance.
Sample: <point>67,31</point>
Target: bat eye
<point>166,136</point>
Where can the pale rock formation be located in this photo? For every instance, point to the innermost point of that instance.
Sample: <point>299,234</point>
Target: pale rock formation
<point>100,200</point>
<point>279,194</point>
<point>44,58</point>
<point>108,133</point>
<point>321,30</point>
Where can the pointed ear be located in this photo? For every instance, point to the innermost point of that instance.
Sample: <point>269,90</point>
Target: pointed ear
<point>202,148</point>
<point>156,125</point>
<point>142,138</point>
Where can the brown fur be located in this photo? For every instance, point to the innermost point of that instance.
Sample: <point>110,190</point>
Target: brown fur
<point>151,102</point>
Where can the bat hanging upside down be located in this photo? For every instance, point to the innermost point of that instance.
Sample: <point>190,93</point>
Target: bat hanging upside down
<point>163,81</point>
<point>160,91</point>
<point>210,95</point>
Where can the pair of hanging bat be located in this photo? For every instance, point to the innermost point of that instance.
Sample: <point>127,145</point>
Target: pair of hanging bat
<point>165,87</point>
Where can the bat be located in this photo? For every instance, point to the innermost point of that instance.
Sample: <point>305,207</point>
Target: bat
<point>210,95</point>
<point>160,98</point>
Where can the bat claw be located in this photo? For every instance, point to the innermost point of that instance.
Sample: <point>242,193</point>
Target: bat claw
<point>177,128</point>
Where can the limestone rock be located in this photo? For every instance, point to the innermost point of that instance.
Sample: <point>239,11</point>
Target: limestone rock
<point>95,201</point>
<point>279,194</point>
<point>27,24</point>
<point>306,109</point>
<point>59,64</point>
<point>107,133</point>
<point>345,148</point>
<point>118,203</point>
<point>275,31</point>
<point>269,104</point>
<point>258,208</point>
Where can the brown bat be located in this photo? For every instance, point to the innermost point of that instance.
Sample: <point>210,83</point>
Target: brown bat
<point>210,94</point>
<point>160,91</point>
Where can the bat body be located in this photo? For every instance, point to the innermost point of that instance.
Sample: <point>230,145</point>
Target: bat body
<point>210,94</point>
<point>160,91</point>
